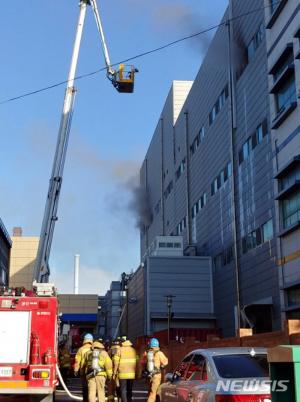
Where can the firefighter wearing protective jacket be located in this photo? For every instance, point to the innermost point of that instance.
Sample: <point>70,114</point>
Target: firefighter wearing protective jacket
<point>154,361</point>
<point>124,368</point>
<point>114,385</point>
<point>98,367</point>
<point>79,367</point>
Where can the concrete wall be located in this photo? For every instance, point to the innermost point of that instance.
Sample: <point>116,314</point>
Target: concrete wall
<point>23,255</point>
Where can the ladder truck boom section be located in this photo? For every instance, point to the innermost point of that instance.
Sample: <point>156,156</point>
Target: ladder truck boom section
<point>123,80</point>
<point>29,319</point>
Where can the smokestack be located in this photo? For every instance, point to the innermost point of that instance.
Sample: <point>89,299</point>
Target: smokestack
<point>76,273</point>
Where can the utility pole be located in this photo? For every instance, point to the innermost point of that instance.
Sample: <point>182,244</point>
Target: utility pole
<point>169,300</point>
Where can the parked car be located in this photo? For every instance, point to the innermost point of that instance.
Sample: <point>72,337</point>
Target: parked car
<point>219,375</point>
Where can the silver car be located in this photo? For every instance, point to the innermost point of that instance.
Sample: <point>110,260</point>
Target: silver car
<point>219,375</point>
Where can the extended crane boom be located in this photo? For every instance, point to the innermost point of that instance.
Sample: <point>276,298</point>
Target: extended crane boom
<point>123,84</point>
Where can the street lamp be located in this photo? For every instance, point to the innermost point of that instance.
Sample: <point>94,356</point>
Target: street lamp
<point>169,300</point>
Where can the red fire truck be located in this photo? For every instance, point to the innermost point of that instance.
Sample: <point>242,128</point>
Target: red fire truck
<point>28,343</point>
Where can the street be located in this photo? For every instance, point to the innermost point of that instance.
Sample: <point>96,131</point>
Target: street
<point>139,393</point>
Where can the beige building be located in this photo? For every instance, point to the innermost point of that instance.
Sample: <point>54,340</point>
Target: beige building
<point>283,47</point>
<point>22,259</point>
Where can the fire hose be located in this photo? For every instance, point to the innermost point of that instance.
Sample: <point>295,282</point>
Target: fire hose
<point>77,398</point>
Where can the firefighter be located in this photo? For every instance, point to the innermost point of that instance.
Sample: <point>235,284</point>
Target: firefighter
<point>64,360</point>
<point>114,385</point>
<point>154,361</point>
<point>80,364</point>
<point>124,368</point>
<point>98,367</point>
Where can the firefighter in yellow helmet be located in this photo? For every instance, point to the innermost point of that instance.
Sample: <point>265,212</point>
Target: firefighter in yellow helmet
<point>124,368</point>
<point>114,385</point>
<point>154,360</point>
<point>79,366</point>
<point>98,367</point>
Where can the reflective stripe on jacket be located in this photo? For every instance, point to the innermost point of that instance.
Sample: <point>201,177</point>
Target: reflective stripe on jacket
<point>105,363</point>
<point>125,361</point>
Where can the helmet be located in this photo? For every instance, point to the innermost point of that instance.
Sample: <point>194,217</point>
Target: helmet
<point>123,338</point>
<point>98,345</point>
<point>100,339</point>
<point>88,338</point>
<point>154,343</point>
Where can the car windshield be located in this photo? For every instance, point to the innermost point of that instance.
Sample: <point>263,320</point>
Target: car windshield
<point>242,366</point>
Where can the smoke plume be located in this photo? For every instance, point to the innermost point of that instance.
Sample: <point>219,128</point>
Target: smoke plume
<point>139,203</point>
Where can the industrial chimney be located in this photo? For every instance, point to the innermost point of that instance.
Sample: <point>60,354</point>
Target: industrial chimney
<point>76,273</point>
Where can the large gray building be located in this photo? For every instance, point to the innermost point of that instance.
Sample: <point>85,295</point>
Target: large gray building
<point>283,50</point>
<point>188,280</point>
<point>208,172</point>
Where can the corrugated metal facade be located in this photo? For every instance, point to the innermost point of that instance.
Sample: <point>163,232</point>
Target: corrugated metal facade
<point>211,229</point>
<point>188,279</point>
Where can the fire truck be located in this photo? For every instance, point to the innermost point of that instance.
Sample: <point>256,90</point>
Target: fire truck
<point>28,342</point>
<point>29,319</point>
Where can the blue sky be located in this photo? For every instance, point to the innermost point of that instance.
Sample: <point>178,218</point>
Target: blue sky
<point>110,131</point>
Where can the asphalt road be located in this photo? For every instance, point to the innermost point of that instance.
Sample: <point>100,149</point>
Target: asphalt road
<point>139,392</point>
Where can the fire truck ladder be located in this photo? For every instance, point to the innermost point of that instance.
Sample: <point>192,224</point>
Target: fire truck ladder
<point>122,84</point>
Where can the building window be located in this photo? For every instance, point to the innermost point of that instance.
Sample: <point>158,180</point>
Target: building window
<point>258,236</point>
<point>221,179</point>
<point>199,205</point>
<point>202,134</point>
<point>256,138</point>
<point>284,88</point>
<point>157,207</point>
<point>181,226</point>
<point>251,240</point>
<point>286,95</point>
<point>255,42</point>
<point>293,296</point>
<point>273,5</point>
<point>267,231</point>
<point>228,255</point>
<point>195,209</point>
<point>284,64</point>
<point>276,6</point>
<point>218,105</point>
<point>180,169</point>
<point>168,190</point>
<point>291,210</point>
<point>290,179</point>
<point>197,141</point>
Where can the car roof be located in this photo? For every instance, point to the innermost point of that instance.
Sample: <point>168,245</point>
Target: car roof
<point>228,351</point>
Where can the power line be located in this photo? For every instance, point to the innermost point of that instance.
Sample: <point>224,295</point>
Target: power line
<point>146,53</point>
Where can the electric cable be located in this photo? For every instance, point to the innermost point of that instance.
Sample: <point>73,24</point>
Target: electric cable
<point>137,56</point>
